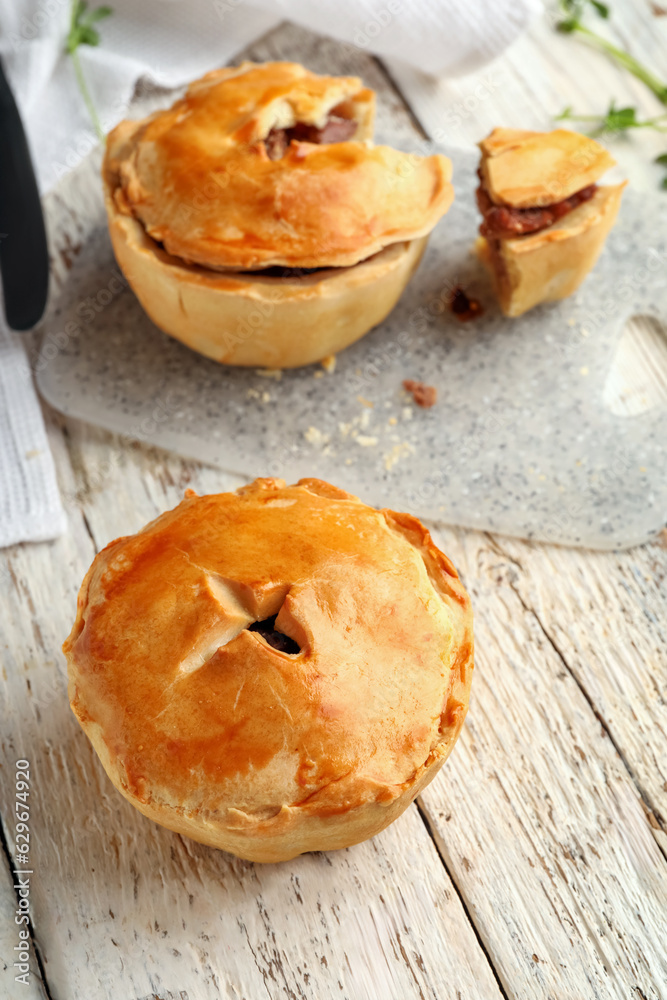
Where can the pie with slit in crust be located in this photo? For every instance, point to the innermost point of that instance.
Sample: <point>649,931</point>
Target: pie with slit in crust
<point>272,671</point>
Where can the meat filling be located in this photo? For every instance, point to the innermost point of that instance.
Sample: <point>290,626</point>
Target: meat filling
<point>278,271</point>
<point>504,221</point>
<point>424,395</point>
<point>463,307</point>
<point>278,640</point>
<point>336,129</point>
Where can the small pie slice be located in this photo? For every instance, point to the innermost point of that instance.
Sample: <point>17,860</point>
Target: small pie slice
<point>545,219</point>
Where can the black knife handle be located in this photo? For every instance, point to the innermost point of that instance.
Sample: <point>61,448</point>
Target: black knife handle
<point>24,258</point>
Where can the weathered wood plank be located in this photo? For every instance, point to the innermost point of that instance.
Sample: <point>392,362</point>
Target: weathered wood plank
<point>538,818</point>
<point>564,805</point>
<point>384,915</point>
<point>637,381</point>
<point>550,850</point>
<point>125,908</point>
<point>10,989</point>
<point>617,651</point>
<point>31,683</point>
<point>607,619</point>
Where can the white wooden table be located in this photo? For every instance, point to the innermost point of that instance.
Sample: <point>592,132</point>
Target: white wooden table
<point>534,866</point>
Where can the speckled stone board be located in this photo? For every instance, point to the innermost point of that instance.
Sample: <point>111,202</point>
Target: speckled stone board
<point>520,440</point>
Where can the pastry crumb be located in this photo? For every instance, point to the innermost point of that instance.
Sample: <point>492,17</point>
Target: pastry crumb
<point>276,373</point>
<point>406,413</point>
<point>396,453</point>
<point>266,397</point>
<point>329,363</point>
<point>463,307</point>
<point>366,441</point>
<point>253,394</point>
<point>315,436</point>
<point>318,374</point>
<point>392,421</point>
<point>365,402</point>
<point>423,395</point>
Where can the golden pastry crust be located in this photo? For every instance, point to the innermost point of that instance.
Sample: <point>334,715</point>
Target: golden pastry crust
<point>551,264</point>
<point>534,169</point>
<point>255,319</point>
<point>199,178</point>
<point>209,730</point>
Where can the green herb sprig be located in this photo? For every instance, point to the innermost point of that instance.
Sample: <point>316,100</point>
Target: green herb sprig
<point>662,160</point>
<point>615,121</point>
<point>82,32</point>
<point>571,23</point>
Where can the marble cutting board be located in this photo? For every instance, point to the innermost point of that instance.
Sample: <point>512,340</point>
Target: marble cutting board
<point>519,442</point>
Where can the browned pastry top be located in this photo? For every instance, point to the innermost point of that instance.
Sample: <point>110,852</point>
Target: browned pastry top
<point>533,169</point>
<point>271,165</point>
<point>354,681</point>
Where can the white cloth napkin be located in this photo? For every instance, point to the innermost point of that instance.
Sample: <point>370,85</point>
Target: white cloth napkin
<point>170,42</point>
<point>173,41</point>
<point>30,507</point>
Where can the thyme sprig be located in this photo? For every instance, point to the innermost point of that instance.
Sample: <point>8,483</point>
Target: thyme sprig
<point>662,161</point>
<point>82,32</point>
<point>571,23</point>
<point>615,121</point>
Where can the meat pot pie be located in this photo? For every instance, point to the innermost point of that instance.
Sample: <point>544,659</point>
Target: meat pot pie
<point>545,219</point>
<point>257,222</point>
<point>272,671</point>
